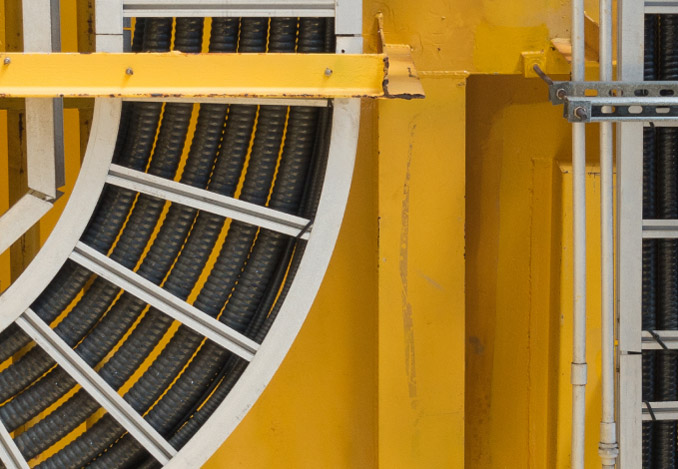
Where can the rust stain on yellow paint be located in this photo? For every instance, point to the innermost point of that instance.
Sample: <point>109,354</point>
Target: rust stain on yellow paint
<point>420,408</point>
<point>408,323</point>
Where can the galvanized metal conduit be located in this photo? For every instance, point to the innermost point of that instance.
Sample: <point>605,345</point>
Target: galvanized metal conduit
<point>608,448</point>
<point>578,377</point>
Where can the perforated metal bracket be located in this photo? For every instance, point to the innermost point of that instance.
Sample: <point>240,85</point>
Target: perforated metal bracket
<point>616,101</point>
<point>596,101</point>
<point>561,91</point>
<point>618,109</point>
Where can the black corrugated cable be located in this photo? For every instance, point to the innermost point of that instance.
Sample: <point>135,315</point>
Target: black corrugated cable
<point>649,318</point>
<point>246,309</point>
<point>235,366</point>
<point>130,246</point>
<point>264,261</point>
<point>161,254</point>
<point>205,145</point>
<point>111,214</point>
<point>276,291</point>
<point>72,278</point>
<point>265,135</point>
<point>666,387</point>
<point>258,329</point>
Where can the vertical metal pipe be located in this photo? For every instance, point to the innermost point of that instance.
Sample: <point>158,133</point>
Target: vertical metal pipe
<point>579,318</point>
<point>579,240</point>
<point>59,145</point>
<point>607,448</point>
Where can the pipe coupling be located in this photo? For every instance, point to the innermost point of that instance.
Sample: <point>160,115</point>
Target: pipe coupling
<point>578,374</point>
<point>608,453</point>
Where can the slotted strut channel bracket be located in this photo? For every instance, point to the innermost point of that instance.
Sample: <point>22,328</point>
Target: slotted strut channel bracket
<point>616,101</point>
<point>316,95</point>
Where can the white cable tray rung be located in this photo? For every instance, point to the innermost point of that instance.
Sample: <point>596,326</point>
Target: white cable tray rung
<point>652,411</point>
<point>660,229</point>
<point>661,6</point>
<point>228,8</point>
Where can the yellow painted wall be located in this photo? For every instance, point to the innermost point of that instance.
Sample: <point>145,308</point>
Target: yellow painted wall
<point>441,335</point>
<point>519,283</point>
<point>421,278</point>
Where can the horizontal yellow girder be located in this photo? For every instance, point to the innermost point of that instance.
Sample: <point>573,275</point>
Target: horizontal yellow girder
<point>176,74</point>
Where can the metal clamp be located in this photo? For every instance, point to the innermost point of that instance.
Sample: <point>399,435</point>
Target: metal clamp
<point>596,101</point>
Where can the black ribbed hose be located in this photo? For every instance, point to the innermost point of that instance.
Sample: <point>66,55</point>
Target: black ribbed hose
<point>253,35</point>
<point>666,387</point>
<point>137,232</point>
<point>206,140</point>
<point>111,214</point>
<point>649,302</point>
<point>265,261</point>
<point>270,306</point>
<point>154,267</point>
<point>72,278</point>
<point>251,267</point>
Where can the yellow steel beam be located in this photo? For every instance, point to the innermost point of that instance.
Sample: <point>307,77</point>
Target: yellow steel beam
<point>208,75</point>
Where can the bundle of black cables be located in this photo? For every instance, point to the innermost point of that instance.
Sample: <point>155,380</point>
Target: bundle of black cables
<point>268,155</point>
<point>660,257</point>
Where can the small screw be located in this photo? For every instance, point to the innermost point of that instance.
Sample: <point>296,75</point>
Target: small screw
<point>580,113</point>
<point>561,93</point>
<point>328,72</point>
<point>129,71</point>
<point>7,61</point>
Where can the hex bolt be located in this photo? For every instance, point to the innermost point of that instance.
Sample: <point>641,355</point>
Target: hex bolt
<point>580,113</point>
<point>328,72</point>
<point>561,93</point>
<point>7,61</point>
<point>129,71</point>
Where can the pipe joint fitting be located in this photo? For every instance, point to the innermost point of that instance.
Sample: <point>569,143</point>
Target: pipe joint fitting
<point>578,374</point>
<point>608,432</point>
<point>608,453</point>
